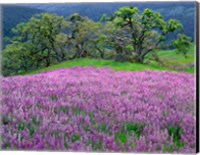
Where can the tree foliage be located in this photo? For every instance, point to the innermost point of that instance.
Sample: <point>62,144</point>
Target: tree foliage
<point>145,32</point>
<point>39,42</point>
<point>182,44</point>
<point>127,35</point>
<point>84,31</point>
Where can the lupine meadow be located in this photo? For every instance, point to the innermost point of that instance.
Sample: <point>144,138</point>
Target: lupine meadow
<point>122,84</point>
<point>98,109</point>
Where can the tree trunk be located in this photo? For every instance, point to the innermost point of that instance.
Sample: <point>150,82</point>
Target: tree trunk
<point>59,59</point>
<point>48,58</point>
<point>101,52</point>
<point>79,51</point>
<point>138,50</point>
<point>73,57</point>
<point>47,62</point>
<point>140,59</point>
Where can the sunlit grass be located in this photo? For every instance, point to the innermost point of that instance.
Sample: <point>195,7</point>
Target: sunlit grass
<point>166,55</point>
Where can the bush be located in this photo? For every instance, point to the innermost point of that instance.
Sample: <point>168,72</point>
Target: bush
<point>173,64</point>
<point>122,58</point>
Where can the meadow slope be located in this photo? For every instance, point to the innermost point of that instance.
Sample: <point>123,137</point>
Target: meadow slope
<point>98,109</point>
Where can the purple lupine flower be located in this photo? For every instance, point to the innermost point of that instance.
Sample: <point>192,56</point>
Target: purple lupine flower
<point>98,109</point>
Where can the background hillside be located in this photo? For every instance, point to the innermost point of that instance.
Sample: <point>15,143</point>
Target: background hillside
<point>14,14</point>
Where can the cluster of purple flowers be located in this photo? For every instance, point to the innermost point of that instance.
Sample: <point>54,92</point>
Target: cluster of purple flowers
<point>98,109</point>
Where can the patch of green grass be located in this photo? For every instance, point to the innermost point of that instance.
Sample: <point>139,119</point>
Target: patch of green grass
<point>31,130</point>
<point>169,55</point>
<point>172,58</point>
<point>176,132</point>
<point>56,133</point>
<point>100,145</point>
<point>76,138</point>
<point>7,145</point>
<point>135,128</point>
<point>65,140</point>
<point>54,98</point>
<point>174,55</point>
<point>168,149</point>
<point>63,109</point>
<point>21,126</point>
<point>96,145</point>
<point>121,137</point>
<point>103,128</point>
<point>117,66</point>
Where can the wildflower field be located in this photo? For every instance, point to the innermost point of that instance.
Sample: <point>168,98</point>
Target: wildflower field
<point>98,109</point>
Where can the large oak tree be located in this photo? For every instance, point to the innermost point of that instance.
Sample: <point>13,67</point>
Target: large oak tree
<point>146,31</point>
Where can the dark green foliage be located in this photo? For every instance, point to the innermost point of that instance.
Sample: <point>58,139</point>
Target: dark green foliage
<point>7,145</point>
<point>86,129</point>
<point>21,126</point>
<point>121,137</point>
<point>176,133</point>
<point>34,120</point>
<point>122,58</point>
<point>169,149</point>
<point>127,35</point>
<point>141,33</point>
<point>76,138</point>
<point>100,145</point>
<point>48,39</point>
<point>103,128</point>
<point>136,128</point>
<point>129,129</point>
<point>60,109</point>
<point>56,133</point>
<point>54,98</point>
<point>31,130</point>
<point>5,120</point>
<point>96,145</point>
<point>183,44</point>
<point>35,44</point>
<point>182,11</point>
<point>65,140</point>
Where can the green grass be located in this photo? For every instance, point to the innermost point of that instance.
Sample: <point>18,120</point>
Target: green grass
<point>166,55</point>
<point>171,54</point>
<point>117,66</point>
<point>171,57</point>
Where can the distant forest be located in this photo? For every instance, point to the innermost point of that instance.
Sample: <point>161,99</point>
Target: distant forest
<point>15,14</point>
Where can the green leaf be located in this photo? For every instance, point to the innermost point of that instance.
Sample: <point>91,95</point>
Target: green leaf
<point>21,126</point>
<point>31,130</point>
<point>103,128</point>
<point>121,137</point>
<point>76,138</point>
<point>136,128</point>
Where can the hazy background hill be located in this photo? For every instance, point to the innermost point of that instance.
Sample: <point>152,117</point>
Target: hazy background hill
<point>14,14</point>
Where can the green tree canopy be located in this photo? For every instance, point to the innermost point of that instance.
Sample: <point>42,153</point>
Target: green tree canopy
<point>37,42</point>
<point>145,32</point>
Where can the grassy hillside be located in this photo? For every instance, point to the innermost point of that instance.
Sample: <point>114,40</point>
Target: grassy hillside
<point>117,66</point>
<point>169,57</point>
